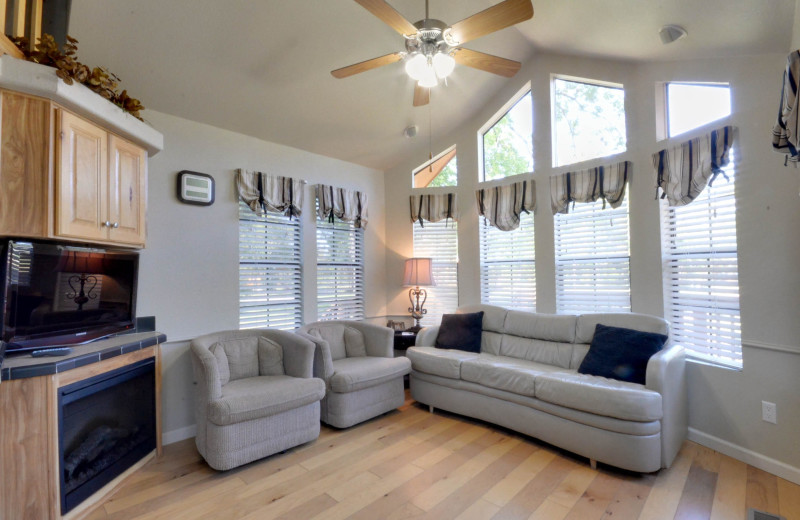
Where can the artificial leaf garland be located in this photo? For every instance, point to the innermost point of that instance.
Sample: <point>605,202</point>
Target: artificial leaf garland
<point>70,69</point>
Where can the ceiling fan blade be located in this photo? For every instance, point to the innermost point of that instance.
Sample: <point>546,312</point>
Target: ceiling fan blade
<point>500,16</point>
<point>486,62</point>
<point>389,16</point>
<point>364,66</point>
<point>422,96</point>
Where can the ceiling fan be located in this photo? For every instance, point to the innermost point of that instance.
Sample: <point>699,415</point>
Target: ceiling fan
<point>433,48</point>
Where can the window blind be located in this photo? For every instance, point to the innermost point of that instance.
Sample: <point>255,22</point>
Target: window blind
<point>340,271</point>
<point>701,280</point>
<point>593,259</point>
<point>508,266</point>
<point>270,271</point>
<point>439,241</point>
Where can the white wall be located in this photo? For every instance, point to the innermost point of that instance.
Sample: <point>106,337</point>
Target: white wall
<point>189,278</point>
<point>725,405</point>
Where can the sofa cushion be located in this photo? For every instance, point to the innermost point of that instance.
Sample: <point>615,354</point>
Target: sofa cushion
<point>241,355</point>
<point>440,362</point>
<point>262,396</point>
<point>494,317</point>
<point>599,395</point>
<point>630,320</point>
<point>550,327</point>
<point>343,341</point>
<point>461,331</point>
<point>542,351</point>
<point>270,358</point>
<point>356,373</point>
<point>620,353</point>
<point>504,373</point>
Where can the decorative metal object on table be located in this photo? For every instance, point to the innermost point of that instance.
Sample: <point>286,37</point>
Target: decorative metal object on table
<point>418,273</point>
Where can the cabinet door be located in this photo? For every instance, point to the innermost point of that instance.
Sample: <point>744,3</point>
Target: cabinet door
<point>127,191</point>
<point>81,179</point>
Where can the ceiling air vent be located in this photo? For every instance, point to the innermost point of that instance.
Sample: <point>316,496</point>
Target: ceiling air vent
<point>755,514</point>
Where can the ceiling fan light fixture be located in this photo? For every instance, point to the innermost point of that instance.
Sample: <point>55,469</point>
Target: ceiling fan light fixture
<point>443,64</point>
<point>416,66</point>
<point>428,80</point>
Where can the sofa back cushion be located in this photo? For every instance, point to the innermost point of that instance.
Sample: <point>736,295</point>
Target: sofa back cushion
<point>236,358</point>
<point>270,358</point>
<point>344,341</point>
<point>494,319</point>
<point>544,338</point>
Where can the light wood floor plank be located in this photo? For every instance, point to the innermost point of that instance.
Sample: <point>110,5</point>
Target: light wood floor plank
<point>454,468</point>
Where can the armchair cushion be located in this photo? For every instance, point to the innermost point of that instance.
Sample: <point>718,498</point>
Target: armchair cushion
<point>262,396</point>
<point>343,341</point>
<point>270,358</point>
<point>356,373</point>
<point>241,355</point>
<point>620,353</point>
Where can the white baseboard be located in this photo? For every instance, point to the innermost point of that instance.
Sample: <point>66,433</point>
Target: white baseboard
<point>757,460</point>
<point>180,434</point>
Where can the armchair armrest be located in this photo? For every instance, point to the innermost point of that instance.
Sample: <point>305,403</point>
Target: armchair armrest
<point>206,373</point>
<point>378,340</point>
<point>323,361</point>
<point>666,374</point>
<point>298,353</point>
<point>426,337</point>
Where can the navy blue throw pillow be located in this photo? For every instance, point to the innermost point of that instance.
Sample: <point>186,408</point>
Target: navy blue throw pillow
<point>461,331</point>
<point>622,354</point>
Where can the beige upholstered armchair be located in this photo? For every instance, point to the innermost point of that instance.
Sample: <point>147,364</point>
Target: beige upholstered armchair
<point>256,395</point>
<point>362,377</point>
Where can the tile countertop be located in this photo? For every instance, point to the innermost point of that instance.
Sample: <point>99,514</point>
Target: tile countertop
<point>19,366</point>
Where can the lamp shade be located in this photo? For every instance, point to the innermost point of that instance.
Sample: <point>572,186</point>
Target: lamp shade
<point>80,262</point>
<point>419,271</point>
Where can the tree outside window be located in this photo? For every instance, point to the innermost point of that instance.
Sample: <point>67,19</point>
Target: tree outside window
<point>508,144</point>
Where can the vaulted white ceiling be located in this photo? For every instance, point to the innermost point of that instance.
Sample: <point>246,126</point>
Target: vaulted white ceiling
<point>262,67</point>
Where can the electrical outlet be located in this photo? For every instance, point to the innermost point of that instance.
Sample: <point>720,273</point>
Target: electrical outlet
<point>769,412</point>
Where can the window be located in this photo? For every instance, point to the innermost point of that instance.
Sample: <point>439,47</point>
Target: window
<point>508,144</point>
<point>340,271</point>
<point>508,266</point>
<point>589,121</point>
<point>439,241</point>
<point>270,271</point>
<point>701,280</point>
<point>442,170</point>
<point>593,259</point>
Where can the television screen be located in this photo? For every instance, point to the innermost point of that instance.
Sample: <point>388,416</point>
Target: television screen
<point>56,294</point>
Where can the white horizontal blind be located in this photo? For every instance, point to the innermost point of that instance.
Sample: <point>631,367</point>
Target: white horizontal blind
<point>439,241</point>
<point>340,271</point>
<point>508,265</point>
<point>270,271</point>
<point>701,275</point>
<point>593,259</point>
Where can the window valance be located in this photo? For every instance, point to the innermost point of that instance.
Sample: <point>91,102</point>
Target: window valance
<point>344,204</point>
<point>602,182</point>
<point>786,133</point>
<point>433,207</point>
<point>502,205</point>
<point>264,192</point>
<point>684,170</point>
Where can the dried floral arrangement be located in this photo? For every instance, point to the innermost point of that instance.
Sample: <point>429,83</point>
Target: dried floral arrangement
<point>70,69</point>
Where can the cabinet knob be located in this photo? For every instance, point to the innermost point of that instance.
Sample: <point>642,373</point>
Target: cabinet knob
<point>107,224</point>
<point>115,225</point>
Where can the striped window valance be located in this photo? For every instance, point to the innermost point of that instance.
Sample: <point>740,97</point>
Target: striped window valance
<point>684,170</point>
<point>433,207</point>
<point>786,133</point>
<point>605,182</point>
<point>344,204</point>
<point>502,205</point>
<point>275,193</point>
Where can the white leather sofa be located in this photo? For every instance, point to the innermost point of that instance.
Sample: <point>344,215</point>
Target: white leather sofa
<point>525,378</point>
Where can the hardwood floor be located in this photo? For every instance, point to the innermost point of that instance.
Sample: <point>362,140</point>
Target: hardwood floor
<point>413,464</point>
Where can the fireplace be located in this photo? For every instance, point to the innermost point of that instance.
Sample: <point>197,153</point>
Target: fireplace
<point>106,424</point>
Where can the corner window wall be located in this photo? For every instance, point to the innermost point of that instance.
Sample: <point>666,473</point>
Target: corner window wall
<point>508,143</point>
<point>588,121</point>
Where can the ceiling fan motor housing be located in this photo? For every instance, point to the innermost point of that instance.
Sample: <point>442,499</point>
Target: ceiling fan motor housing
<point>429,38</point>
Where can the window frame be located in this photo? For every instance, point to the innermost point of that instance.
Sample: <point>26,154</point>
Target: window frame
<point>447,299</point>
<point>433,160</point>
<point>354,308</point>
<point>515,300</point>
<point>492,121</point>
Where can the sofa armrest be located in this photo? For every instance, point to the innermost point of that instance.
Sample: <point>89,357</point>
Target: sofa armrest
<point>206,374</point>
<point>323,361</point>
<point>426,337</point>
<point>666,374</point>
<point>298,353</point>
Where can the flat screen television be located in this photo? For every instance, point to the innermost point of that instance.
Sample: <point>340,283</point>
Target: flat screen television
<point>57,294</point>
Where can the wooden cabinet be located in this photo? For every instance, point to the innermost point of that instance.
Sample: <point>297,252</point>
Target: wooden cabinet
<point>64,177</point>
<point>100,184</point>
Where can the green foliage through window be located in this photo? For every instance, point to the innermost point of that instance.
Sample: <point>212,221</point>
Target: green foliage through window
<point>508,145</point>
